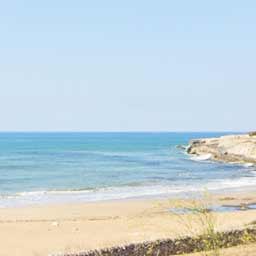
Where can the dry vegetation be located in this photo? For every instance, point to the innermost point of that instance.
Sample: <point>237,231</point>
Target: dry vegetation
<point>252,133</point>
<point>213,241</point>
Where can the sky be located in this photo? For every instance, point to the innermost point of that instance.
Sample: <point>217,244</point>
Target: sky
<point>128,65</point>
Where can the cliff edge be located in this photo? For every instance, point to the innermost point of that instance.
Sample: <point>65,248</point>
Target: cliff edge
<point>229,148</point>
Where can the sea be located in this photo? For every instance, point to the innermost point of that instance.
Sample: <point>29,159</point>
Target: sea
<point>50,168</point>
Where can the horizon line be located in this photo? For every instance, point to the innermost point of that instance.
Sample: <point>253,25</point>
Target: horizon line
<point>128,131</point>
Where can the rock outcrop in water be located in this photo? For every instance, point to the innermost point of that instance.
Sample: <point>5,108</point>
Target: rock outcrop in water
<point>230,148</point>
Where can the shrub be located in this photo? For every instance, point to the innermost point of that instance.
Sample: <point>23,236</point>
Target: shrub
<point>252,133</point>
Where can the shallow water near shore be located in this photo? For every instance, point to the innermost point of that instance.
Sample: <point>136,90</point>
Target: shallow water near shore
<point>38,168</point>
<point>214,208</point>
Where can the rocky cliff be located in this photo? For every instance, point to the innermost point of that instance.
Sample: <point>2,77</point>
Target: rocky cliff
<point>230,148</point>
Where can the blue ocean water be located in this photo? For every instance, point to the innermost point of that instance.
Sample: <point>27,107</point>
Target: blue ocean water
<point>40,168</point>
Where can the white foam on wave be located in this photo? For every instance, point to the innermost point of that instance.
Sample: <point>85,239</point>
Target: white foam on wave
<point>110,193</point>
<point>31,193</point>
<point>243,182</point>
<point>124,192</point>
<point>204,157</point>
<point>53,192</point>
<point>249,165</point>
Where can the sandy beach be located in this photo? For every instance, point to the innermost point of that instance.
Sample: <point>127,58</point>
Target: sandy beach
<point>43,230</point>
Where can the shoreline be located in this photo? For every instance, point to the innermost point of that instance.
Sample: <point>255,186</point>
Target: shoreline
<point>178,195</point>
<point>85,226</point>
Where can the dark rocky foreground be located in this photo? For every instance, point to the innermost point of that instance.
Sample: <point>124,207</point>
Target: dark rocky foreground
<point>179,246</point>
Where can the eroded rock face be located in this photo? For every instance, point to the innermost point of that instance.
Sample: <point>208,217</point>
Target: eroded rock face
<point>231,148</point>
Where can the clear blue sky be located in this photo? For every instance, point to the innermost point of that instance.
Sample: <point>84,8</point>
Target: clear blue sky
<point>128,65</point>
